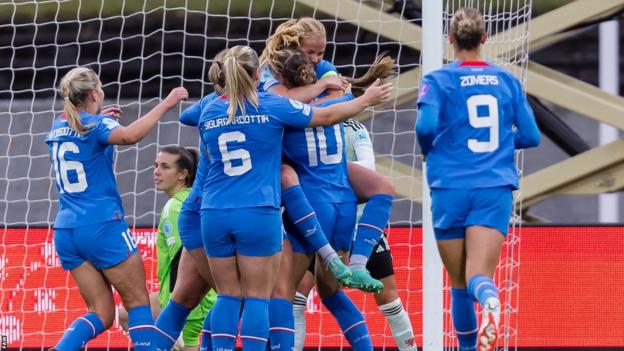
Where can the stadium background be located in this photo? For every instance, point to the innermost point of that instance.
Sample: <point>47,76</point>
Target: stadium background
<point>38,44</point>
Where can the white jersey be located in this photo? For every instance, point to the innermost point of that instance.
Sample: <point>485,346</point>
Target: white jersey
<point>359,145</point>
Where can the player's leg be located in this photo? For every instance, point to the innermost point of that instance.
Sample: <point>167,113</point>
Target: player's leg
<point>304,218</point>
<point>487,226</point>
<point>190,288</point>
<point>378,192</point>
<point>299,307</point>
<point>221,252</point>
<point>259,242</point>
<point>347,315</point>
<point>122,314</point>
<point>96,292</point>
<point>388,300</point>
<point>449,208</point>
<point>281,319</point>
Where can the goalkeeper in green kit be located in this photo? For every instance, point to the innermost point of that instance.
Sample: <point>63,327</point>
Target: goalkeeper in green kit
<point>174,172</point>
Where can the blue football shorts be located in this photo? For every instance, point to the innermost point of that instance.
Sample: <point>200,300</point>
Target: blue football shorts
<point>189,228</point>
<point>105,244</point>
<point>455,209</point>
<point>249,231</point>
<point>337,221</point>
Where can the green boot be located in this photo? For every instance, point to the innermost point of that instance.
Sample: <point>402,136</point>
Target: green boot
<point>362,280</point>
<point>341,272</point>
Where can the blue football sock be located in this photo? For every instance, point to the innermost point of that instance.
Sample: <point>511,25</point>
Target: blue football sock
<point>254,331</point>
<point>482,288</point>
<point>303,218</point>
<point>350,320</point>
<point>82,329</point>
<point>464,319</point>
<point>282,325</point>
<point>370,228</point>
<point>141,328</point>
<point>206,335</point>
<point>224,322</point>
<point>170,322</point>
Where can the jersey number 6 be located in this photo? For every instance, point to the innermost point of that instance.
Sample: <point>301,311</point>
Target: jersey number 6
<point>488,121</point>
<point>240,154</point>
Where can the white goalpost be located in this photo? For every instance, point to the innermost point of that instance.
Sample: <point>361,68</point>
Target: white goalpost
<point>141,49</point>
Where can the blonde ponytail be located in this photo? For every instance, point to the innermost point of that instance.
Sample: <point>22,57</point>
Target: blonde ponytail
<point>75,86</point>
<point>383,68</point>
<point>239,65</point>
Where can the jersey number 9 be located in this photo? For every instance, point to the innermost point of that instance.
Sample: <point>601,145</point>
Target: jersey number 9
<point>62,168</point>
<point>489,121</point>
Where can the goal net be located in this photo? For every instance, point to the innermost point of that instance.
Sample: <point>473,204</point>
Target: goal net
<point>143,49</point>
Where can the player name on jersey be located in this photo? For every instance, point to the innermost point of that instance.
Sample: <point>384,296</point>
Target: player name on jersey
<point>246,119</point>
<point>65,131</point>
<point>481,79</point>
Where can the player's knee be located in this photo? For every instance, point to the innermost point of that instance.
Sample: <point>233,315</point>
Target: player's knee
<point>389,292</point>
<point>288,177</point>
<point>385,186</point>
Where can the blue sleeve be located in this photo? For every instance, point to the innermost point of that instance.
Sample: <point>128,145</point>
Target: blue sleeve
<point>104,128</point>
<point>429,93</point>
<point>289,112</point>
<point>426,127</point>
<point>324,69</point>
<point>191,115</point>
<point>527,133</point>
<point>344,98</point>
<point>267,79</point>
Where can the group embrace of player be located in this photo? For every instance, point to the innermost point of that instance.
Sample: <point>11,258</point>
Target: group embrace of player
<point>273,137</point>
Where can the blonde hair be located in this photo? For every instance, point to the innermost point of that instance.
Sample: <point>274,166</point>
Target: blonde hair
<point>75,87</point>
<point>215,72</point>
<point>239,66</point>
<point>288,35</point>
<point>468,27</point>
<point>383,68</point>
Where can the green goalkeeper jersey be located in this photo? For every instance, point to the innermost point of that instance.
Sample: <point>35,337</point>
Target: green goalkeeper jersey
<point>168,244</point>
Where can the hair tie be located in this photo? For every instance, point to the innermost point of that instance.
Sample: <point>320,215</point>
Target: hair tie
<point>66,98</point>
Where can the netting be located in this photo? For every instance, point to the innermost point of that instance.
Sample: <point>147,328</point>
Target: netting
<point>143,49</point>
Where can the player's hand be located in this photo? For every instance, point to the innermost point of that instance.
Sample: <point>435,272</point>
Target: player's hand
<point>348,90</point>
<point>175,96</point>
<point>335,83</point>
<point>112,111</point>
<point>378,93</point>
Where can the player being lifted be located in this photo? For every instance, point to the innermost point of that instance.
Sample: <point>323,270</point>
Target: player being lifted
<point>467,114</point>
<point>91,236</point>
<point>241,222</point>
<point>308,35</point>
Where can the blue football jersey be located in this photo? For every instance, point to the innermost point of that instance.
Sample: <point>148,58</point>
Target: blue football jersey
<point>245,155</point>
<point>318,156</point>
<point>190,117</point>
<point>83,167</point>
<point>268,80</point>
<point>478,105</point>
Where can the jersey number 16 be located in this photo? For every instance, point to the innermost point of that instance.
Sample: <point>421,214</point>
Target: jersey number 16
<point>62,168</point>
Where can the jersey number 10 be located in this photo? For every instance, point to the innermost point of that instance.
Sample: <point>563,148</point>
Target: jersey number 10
<point>62,168</point>
<point>324,157</point>
<point>490,121</point>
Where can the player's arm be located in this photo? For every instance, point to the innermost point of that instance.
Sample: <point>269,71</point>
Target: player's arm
<point>138,129</point>
<point>190,116</point>
<point>374,95</point>
<point>363,149</point>
<point>309,92</point>
<point>426,126</point>
<point>527,133</point>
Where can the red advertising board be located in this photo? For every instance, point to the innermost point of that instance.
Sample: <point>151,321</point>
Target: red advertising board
<point>570,290</point>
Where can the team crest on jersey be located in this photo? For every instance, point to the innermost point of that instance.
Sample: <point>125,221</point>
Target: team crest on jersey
<point>423,91</point>
<point>300,106</point>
